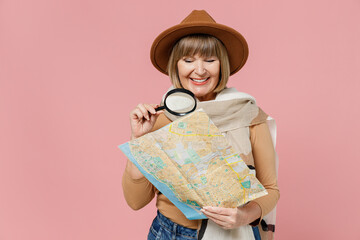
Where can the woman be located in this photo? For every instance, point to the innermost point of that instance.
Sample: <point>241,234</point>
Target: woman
<point>199,55</point>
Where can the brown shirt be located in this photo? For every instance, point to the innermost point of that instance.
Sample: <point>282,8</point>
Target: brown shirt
<point>139,192</point>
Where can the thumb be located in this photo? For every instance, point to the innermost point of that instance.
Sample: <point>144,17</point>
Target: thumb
<point>153,117</point>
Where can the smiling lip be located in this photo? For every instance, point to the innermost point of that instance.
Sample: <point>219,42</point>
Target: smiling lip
<point>199,81</point>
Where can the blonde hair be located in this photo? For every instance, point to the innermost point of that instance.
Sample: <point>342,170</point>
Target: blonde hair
<point>204,45</point>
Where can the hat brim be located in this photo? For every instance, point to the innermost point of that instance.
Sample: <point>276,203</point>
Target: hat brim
<point>233,41</point>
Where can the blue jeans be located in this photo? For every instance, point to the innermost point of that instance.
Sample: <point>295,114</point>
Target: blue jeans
<point>163,228</point>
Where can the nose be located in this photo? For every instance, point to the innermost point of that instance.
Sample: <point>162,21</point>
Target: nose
<point>200,68</point>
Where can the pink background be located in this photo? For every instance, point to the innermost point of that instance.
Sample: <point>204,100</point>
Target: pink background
<point>70,72</point>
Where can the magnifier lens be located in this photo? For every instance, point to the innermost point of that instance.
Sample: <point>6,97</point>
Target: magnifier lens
<point>180,102</point>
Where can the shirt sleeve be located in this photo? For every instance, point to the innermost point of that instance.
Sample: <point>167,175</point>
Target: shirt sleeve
<point>264,159</point>
<point>137,192</point>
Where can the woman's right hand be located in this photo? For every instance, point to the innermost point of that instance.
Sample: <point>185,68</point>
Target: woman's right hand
<point>142,119</point>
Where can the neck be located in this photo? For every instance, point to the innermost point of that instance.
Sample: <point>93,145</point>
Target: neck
<point>208,97</point>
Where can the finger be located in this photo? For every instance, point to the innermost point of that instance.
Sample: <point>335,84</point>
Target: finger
<point>144,111</point>
<point>220,210</point>
<point>153,117</point>
<point>150,108</point>
<point>158,112</point>
<point>221,224</point>
<point>216,216</point>
<point>136,114</point>
<point>224,222</point>
<point>155,105</point>
<point>154,114</point>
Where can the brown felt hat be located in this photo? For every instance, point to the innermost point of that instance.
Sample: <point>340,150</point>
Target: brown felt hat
<point>199,21</point>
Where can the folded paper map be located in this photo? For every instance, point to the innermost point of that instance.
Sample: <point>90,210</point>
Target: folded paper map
<point>193,165</point>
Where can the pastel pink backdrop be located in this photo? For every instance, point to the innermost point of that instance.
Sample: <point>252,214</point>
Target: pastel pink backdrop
<point>70,72</point>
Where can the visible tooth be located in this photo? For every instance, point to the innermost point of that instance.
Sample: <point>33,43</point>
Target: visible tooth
<point>200,80</point>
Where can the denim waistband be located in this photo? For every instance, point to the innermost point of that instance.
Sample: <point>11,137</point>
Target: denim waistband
<point>174,227</point>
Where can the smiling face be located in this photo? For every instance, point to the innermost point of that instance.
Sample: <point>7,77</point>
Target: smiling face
<point>199,63</point>
<point>200,75</point>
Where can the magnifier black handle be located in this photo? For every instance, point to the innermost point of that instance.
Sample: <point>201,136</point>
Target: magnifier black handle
<point>160,108</point>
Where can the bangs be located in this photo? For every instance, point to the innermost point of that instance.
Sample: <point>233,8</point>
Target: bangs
<point>201,44</point>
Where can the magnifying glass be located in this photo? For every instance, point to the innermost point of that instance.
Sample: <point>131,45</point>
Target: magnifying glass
<point>179,102</point>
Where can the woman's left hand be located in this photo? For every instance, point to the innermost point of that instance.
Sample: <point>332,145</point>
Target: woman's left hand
<point>230,218</point>
<point>227,218</point>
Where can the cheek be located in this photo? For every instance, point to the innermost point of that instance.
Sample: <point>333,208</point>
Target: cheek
<point>184,71</point>
<point>216,70</point>
<point>182,79</point>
